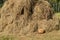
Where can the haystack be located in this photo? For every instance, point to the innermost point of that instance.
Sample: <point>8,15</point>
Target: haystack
<point>24,16</point>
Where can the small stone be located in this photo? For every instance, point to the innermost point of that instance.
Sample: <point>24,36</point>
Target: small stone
<point>41,31</point>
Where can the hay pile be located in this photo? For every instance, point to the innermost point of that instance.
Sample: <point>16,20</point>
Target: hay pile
<point>26,16</point>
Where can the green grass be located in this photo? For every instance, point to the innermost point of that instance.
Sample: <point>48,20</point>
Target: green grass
<point>57,15</point>
<point>1,5</point>
<point>5,37</point>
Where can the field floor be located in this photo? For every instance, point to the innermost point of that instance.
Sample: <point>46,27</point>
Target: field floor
<point>55,35</point>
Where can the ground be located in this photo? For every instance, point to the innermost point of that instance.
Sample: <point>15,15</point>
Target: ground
<point>54,35</point>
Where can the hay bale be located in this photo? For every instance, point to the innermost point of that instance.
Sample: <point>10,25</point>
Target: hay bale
<point>21,17</point>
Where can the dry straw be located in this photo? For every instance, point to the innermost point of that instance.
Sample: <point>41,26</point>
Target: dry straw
<point>23,17</point>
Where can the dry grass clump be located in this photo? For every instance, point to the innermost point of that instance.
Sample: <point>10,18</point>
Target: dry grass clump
<point>21,17</point>
<point>43,10</point>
